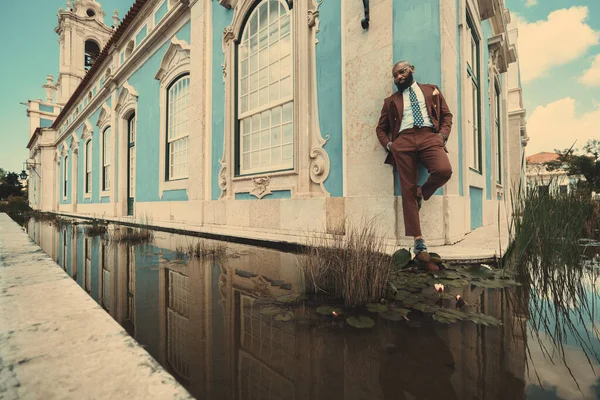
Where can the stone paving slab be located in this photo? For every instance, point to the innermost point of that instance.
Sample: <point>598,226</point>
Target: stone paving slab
<point>57,343</point>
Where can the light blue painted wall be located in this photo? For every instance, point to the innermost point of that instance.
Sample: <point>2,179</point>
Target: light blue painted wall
<point>69,249</point>
<point>45,123</point>
<point>329,91</point>
<point>80,256</point>
<point>221,18</point>
<point>487,131</point>
<point>161,12</point>
<point>80,166</point>
<point>44,108</point>
<point>148,121</point>
<point>476,196</point>
<point>276,194</point>
<point>141,35</point>
<point>416,33</point>
<point>175,195</point>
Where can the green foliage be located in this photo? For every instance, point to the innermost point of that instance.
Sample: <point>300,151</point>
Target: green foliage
<point>587,163</point>
<point>10,185</point>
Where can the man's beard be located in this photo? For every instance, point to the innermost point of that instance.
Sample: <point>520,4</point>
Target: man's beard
<point>407,82</point>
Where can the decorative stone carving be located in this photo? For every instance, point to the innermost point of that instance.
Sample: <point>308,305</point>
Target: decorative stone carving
<point>104,117</point>
<point>313,19</point>
<point>223,178</point>
<point>224,66</point>
<point>228,36</point>
<point>319,165</point>
<point>177,55</point>
<point>497,48</point>
<point>127,97</point>
<point>88,131</point>
<point>228,4</point>
<point>261,187</point>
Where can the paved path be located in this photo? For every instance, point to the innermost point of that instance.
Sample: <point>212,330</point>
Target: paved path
<point>56,342</point>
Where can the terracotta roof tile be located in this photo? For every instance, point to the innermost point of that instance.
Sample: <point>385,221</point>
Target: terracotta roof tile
<point>541,158</point>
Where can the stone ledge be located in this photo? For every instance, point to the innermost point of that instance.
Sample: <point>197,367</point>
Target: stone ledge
<point>58,343</point>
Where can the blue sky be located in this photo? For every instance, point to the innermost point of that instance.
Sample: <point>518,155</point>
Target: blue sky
<point>559,41</point>
<point>29,47</point>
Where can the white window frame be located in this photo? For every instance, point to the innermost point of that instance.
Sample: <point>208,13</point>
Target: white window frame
<point>104,123</point>
<point>475,110</point>
<point>106,157</point>
<point>127,105</point>
<point>311,164</point>
<point>65,168</point>
<point>169,174</point>
<point>87,137</point>
<point>247,116</point>
<point>174,66</point>
<point>498,125</point>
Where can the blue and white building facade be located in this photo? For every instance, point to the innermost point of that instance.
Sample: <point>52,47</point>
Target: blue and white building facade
<point>256,118</point>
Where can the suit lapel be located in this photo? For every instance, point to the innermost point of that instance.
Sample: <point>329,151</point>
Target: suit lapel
<point>428,94</point>
<point>399,101</point>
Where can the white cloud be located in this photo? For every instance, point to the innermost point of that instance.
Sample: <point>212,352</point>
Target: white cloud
<point>531,3</point>
<point>592,75</point>
<point>563,37</point>
<point>556,126</point>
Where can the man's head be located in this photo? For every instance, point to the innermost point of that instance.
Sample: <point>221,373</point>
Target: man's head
<point>403,75</point>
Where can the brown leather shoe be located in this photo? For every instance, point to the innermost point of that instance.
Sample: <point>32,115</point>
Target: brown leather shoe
<point>423,257</point>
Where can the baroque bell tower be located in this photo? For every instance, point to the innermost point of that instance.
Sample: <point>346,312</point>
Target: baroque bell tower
<point>82,35</point>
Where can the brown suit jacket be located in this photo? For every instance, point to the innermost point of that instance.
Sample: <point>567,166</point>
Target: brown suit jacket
<point>393,108</point>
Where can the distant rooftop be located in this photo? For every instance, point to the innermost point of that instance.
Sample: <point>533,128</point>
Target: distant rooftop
<point>541,158</point>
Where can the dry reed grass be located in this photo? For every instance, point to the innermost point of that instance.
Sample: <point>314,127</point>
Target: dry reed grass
<point>203,250</point>
<point>352,267</point>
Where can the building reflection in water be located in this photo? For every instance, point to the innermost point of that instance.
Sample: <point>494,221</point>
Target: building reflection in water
<point>201,320</point>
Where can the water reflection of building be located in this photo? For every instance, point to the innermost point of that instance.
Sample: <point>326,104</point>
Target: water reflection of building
<point>202,321</point>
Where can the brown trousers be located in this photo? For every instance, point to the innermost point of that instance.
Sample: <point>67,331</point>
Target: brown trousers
<point>412,146</point>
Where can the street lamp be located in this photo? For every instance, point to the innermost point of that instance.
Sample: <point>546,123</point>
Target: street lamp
<point>29,164</point>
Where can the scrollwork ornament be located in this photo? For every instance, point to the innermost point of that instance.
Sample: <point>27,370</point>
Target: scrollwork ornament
<point>223,176</point>
<point>320,165</point>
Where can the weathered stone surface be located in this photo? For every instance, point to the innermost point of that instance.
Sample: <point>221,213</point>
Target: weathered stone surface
<point>57,342</point>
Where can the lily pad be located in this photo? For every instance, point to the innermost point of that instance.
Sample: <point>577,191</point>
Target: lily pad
<point>270,310</point>
<point>481,271</point>
<point>445,319</point>
<point>426,308</point>
<point>361,322</point>
<point>401,258</point>
<point>288,298</point>
<point>483,319</point>
<point>376,307</point>
<point>327,310</point>
<point>286,316</point>
<point>393,316</point>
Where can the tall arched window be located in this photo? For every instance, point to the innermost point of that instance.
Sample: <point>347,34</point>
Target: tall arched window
<point>88,166</point>
<point>65,176</point>
<point>106,156</point>
<point>178,101</point>
<point>265,90</point>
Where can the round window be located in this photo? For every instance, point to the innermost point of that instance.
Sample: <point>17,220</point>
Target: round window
<point>90,12</point>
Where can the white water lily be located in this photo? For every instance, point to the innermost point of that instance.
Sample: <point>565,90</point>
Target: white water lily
<point>439,287</point>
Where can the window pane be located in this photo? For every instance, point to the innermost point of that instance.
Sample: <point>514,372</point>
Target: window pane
<point>264,142</point>
<point>178,128</point>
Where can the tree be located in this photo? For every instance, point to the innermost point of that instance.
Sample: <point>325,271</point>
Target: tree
<point>586,163</point>
<point>2,175</point>
<point>10,185</point>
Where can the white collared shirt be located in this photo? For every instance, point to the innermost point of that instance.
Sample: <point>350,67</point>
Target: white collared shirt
<point>408,120</point>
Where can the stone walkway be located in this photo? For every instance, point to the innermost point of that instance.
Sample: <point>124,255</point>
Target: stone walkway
<point>57,343</point>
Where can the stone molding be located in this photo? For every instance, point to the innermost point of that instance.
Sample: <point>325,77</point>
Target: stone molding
<point>88,131</point>
<point>127,99</point>
<point>177,56</point>
<point>104,118</point>
<point>311,162</point>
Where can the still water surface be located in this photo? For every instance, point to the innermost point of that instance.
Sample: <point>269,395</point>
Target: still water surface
<point>201,320</point>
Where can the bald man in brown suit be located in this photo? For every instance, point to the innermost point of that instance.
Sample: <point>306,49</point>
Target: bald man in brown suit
<point>414,126</point>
